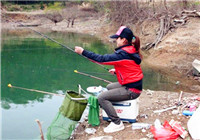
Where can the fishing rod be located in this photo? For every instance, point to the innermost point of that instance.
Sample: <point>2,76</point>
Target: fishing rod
<point>45,36</point>
<point>44,92</point>
<point>92,76</point>
<point>97,73</point>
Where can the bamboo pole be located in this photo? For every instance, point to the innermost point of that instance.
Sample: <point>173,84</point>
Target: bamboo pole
<point>45,92</point>
<point>92,76</point>
<point>40,127</point>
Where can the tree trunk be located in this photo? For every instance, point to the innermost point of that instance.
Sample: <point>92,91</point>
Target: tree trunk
<point>136,4</point>
<point>165,4</point>
<point>165,25</point>
<point>154,10</point>
<point>185,3</point>
<point>68,22</point>
<point>73,20</point>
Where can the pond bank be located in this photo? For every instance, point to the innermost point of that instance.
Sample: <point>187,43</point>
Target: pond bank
<point>154,100</point>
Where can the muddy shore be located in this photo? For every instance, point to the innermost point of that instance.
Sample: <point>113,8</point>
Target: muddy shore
<point>149,101</point>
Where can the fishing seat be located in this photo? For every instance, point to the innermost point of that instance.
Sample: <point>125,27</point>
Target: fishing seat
<point>126,110</point>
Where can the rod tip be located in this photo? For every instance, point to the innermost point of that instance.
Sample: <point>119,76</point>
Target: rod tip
<point>9,85</point>
<point>75,71</point>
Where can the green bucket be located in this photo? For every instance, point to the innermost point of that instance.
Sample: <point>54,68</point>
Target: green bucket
<point>73,105</point>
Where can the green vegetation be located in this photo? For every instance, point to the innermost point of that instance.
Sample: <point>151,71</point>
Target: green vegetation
<point>20,6</point>
<point>197,3</point>
<point>32,5</point>
<point>56,6</point>
<point>29,7</point>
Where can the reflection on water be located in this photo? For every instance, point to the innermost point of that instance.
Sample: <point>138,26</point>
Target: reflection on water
<point>31,61</point>
<point>37,63</point>
<point>157,81</point>
<point>41,64</point>
<point>19,121</point>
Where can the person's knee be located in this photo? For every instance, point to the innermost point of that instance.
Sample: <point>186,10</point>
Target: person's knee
<point>109,86</point>
<point>113,86</point>
<point>100,100</point>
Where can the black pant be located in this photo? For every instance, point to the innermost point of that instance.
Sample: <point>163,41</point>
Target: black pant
<point>115,93</point>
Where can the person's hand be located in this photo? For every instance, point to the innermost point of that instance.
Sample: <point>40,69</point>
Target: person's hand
<point>112,71</point>
<point>78,49</point>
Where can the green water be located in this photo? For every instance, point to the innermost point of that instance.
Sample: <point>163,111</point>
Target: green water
<point>30,61</point>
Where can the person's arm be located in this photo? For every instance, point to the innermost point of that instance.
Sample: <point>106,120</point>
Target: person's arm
<point>78,50</point>
<point>112,71</point>
<point>107,59</point>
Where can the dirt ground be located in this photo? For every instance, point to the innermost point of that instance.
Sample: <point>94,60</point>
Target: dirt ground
<point>173,56</point>
<point>149,101</point>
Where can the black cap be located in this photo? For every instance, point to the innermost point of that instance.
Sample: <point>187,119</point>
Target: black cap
<point>124,32</point>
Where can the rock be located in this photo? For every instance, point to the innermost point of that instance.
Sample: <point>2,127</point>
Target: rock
<point>175,112</point>
<point>177,82</point>
<point>196,67</point>
<point>149,92</point>
<point>150,135</point>
<point>143,130</point>
<point>195,87</point>
<point>90,130</point>
<point>143,139</point>
<point>144,116</point>
<point>102,138</point>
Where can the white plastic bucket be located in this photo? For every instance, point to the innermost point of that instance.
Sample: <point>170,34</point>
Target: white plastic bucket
<point>96,90</point>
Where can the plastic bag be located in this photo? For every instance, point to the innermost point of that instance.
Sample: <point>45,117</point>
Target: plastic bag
<point>164,133</point>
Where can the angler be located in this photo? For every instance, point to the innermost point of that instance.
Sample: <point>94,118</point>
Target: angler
<point>126,61</point>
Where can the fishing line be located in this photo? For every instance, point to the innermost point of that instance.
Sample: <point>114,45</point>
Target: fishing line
<point>45,36</point>
<point>28,49</point>
<point>56,69</point>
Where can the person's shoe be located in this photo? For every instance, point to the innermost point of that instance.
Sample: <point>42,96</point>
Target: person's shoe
<point>112,127</point>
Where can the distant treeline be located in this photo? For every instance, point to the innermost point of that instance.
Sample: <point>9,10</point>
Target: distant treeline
<point>28,2</point>
<point>38,2</point>
<point>29,5</point>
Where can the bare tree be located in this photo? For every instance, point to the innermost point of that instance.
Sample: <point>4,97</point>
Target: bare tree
<point>165,5</point>
<point>154,9</point>
<point>54,16</point>
<point>136,4</point>
<point>185,3</point>
<point>70,14</point>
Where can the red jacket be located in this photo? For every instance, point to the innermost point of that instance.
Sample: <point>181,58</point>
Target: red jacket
<point>125,60</point>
